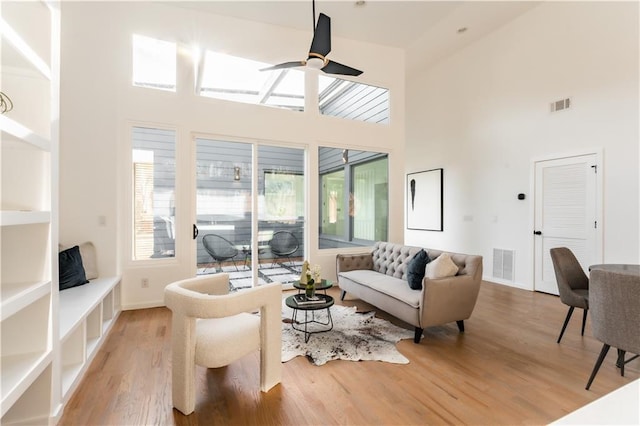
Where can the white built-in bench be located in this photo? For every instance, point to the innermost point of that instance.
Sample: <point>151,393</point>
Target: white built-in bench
<point>87,313</point>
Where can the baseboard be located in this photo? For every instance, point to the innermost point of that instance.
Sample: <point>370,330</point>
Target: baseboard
<point>507,283</point>
<point>56,415</point>
<point>144,305</point>
<point>160,303</point>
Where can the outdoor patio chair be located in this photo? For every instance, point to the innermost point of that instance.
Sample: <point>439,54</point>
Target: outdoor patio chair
<point>220,249</point>
<point>283,244</point>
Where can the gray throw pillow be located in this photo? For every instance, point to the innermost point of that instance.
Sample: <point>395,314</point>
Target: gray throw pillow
<point>416,268</point>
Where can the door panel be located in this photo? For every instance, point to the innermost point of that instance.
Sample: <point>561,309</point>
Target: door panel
<point>565,214</point>
<point>223,208</point>
<point>239,211</point>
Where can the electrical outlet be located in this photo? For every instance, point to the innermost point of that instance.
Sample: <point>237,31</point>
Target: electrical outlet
<point>144,283</point>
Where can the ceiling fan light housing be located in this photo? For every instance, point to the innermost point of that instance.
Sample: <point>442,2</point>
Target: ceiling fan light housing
<point>315,63</point>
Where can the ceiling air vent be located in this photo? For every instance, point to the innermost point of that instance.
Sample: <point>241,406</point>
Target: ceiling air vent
<point>560,105</point>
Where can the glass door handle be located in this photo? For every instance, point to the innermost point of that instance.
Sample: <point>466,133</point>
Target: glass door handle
<point>195,231</point>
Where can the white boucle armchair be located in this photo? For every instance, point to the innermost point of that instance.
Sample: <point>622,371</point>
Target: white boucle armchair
<point>212,328</point>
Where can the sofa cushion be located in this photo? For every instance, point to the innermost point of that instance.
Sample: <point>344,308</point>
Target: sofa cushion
<point>391,286</point>
<point>416,269</point>
<point>442,267</point>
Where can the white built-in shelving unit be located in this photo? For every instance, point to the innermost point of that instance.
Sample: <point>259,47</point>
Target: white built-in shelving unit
<point>30,50</point>
<point>86,315</point>
<point>48,337</point>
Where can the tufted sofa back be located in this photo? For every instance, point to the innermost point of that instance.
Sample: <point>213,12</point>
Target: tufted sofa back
<point>391,259</point>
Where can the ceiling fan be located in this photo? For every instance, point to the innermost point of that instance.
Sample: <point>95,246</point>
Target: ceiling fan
<point>320,48</point>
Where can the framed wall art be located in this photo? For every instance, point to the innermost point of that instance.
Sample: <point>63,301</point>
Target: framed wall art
<point>424,200</point>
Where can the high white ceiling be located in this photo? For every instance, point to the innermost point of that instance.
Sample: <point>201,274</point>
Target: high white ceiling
<point>427,29</point>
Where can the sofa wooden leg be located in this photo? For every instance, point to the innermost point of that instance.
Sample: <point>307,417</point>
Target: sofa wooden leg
<point>418,335</point>
<point>342,294</point>
<point>460,326</point>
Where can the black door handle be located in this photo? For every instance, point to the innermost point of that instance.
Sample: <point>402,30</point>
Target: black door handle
<point>195,231</point>
<point>537,232</point>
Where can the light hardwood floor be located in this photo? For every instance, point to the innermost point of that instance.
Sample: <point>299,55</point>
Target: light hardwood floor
<point>505,369</point>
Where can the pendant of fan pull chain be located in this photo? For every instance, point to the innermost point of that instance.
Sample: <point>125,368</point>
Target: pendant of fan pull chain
<point>320,48</point>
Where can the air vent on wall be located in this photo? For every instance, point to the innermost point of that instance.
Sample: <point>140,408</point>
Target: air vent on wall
<point>503,262</point>
<point>560,105</point>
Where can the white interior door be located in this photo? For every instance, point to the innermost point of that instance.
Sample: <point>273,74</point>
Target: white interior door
<point>565,214</point>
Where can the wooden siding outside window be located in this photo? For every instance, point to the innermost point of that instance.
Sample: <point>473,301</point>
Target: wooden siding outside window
<point>143,210</point>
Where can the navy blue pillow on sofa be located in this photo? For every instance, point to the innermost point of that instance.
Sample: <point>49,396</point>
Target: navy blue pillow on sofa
<point>71,272</point>
<point>415,269</point>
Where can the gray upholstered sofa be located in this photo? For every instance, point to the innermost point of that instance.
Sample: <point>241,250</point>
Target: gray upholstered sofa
<point>379,278</point>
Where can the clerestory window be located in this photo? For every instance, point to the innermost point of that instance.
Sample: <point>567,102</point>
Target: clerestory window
<point>239,79</point>
<point>353,101</point>
<point>154,63</point>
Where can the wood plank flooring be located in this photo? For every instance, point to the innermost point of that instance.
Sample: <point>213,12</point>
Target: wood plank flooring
<point>506,369</point>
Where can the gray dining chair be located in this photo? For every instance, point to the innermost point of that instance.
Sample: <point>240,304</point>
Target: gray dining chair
<point>615,315</point>
<point>573,284</point>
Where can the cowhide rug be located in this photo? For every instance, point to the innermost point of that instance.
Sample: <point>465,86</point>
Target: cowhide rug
<point>355,337</point>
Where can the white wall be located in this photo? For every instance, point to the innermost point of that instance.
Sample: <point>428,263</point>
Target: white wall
<point>483,115</point>
<point>99,103</point>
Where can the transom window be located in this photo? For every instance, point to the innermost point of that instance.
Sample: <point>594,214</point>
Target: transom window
<point>353,101</point>
<point>239,79</point>
<point>154,63</point>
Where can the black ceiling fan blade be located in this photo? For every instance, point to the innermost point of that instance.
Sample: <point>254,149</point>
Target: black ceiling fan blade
<point>336,68</point>
<point>321,43</point>
<point>285,65</point>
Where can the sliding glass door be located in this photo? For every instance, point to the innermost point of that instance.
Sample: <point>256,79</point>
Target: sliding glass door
<point>251,230</point>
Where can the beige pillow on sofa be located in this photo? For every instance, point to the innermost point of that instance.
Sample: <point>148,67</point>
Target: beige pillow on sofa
<point>442,267</point>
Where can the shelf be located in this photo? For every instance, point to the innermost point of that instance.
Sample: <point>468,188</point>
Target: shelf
<point>94,331</point>
<point>25,348</point>
<point>25,254</point>
<point>29,135</point>
<point>12,34</point>
<point>76,303</point>
<point>26,179</point>
<point>86,314</point>
<point>72,358</point>
<point>92,345</point>
<point>34,405</point>
<point>17,296</point>
<point>23,133</point>
<point>69,375</point>
<point>23,217</point>
<point>106,324</point>
<point>107,312</point>
<point>19,372</point>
